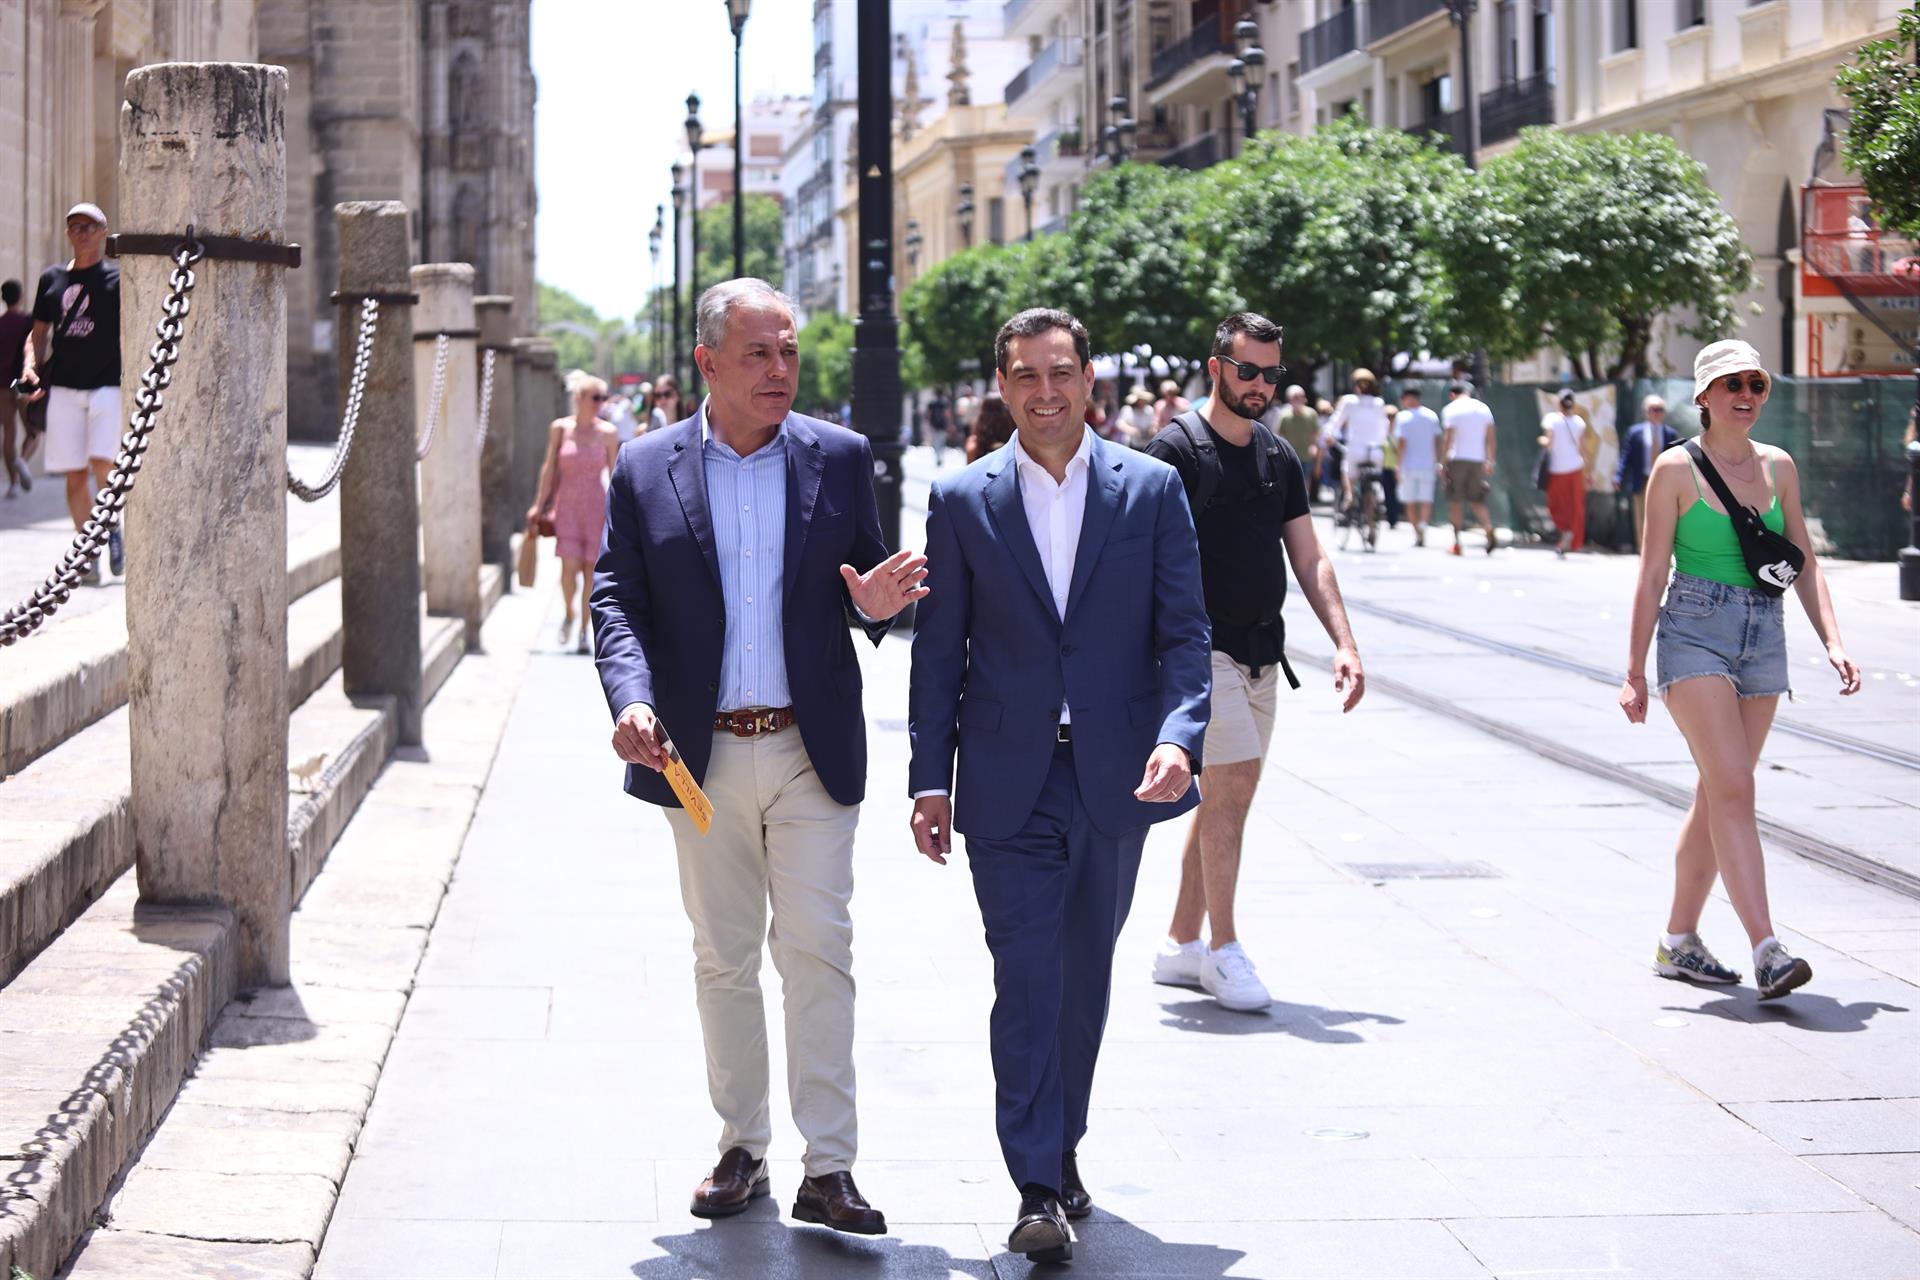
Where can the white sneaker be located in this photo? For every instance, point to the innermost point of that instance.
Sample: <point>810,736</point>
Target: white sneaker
<point>1228,976</point>
<point>1177,964</point>
<point>566,633</point>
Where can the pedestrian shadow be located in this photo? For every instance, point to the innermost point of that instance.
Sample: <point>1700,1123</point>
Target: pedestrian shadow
<point>759,1243</point>
<point>1302,1021</point>
<point>1808,1012</point>
<point>1106,1246</point>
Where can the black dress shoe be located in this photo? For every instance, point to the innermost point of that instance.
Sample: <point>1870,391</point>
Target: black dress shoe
<point>735,1182</point>
<point>831,1200</point>
<point>1074,1200</point>
<point>1041,1232</point>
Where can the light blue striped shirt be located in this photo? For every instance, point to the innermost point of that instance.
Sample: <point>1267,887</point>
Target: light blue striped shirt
<point>747,498</point>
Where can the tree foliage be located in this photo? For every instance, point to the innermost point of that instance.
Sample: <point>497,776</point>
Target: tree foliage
<point>763,240</point>
<point>1138,272</point>
<point>1609,232</point>
<point>951,312</point>
<point>1882,86</point>
<point>826,362</point>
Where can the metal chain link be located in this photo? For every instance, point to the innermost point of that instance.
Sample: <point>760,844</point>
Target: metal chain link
<point>350,418</point>
<point>434,406</point>
<point>486,399</point>
<point>21,620</point>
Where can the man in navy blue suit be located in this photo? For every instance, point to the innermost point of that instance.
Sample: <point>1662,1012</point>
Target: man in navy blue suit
<point>737,544</point>
<point>1646,440</point>
<point>1063,657</point>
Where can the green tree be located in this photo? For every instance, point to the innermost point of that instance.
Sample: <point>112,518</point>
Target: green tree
<point>1882,86</point>
<point>1609,232</point>
<point>763,241</point>
<point>826,362</point>
<point>952,311</point>
<point>1137,274</point>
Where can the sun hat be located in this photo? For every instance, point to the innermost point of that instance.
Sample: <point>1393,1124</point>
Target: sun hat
<point>1718,359</point>
<point>87,209</point>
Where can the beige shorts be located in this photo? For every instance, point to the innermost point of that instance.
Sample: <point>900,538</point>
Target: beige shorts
<point>1242,723</point>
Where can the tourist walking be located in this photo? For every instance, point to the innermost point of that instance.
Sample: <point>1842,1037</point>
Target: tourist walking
<point>664,409</point>
<point>16,326</point>
<point>1467,453</point>
<point>1569,441</point>
<point>73,358</point>
<point>1058,703</point>
<point>572,497</point>
<point>1137,420</point>
<point>1646,440</point>
<point>1169,403</point>
<point>1299,426</point>
<point>736,543</point>
<point>1721,652</point>
<point>1360,422</point>
<point>1248,493</point>
<point>1416,430</point>
<point>992,427</point>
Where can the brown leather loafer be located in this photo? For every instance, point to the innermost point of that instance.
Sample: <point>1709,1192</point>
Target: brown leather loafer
<point>831,1200</point>
<point>736,1182</point>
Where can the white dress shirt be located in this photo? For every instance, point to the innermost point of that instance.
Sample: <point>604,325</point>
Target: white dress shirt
<point>1055,512</point>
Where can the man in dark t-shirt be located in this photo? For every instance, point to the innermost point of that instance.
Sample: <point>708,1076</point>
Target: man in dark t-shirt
<point>15,324</point>
<point>1248,492</point>
<point>74,356</point>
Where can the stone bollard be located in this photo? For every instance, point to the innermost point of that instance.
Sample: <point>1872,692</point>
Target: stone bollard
<point>379,495</point>
<point>206,532</point>
<point>497,512</point>
<point>450,473</point>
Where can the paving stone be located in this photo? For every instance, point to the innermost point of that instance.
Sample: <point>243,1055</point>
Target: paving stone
<point>1771,1246</point>
<point>374,1249</point>
<point>478,1013</point>
<point>1851,1126</point>
<point>116,1253</point>
<point>179,1144</point>
<point>1890,1182</point>
<point>256,1207</point>
<point>743,1247</point>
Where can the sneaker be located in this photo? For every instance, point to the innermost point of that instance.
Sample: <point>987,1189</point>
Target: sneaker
<point>1227,975</point>
<point>26,478</point>
<point>566,633</point>
<point>1690,959</point>
<point>116,553</point>
<point>1177,964</point>
<point>1455,550</point>
<point>584,644</point>
<point>1777,973</point>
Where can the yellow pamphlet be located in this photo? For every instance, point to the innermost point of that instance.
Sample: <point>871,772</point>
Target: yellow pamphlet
<point>692,798</point>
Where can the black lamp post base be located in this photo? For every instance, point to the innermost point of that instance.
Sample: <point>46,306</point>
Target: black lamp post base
<point>1910,573</point>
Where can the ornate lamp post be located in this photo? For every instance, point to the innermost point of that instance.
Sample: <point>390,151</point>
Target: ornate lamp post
<point>913,243</point>
<point>1029,181</point>
<point>1119,134</point>
<point>679,203</point>
<point>693,294</point>
<point>654,237</point>
<point>1245,71</point>
<point>737,15</point>
<point>1460,13</point>
<point>966,214</point>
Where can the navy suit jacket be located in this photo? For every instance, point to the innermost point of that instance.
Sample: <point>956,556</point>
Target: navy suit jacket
<point>659,623</point>
<point>993,659</point>
<point>1630,476</point>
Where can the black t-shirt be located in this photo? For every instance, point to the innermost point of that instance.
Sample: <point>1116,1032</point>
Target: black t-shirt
<point>81,309</point>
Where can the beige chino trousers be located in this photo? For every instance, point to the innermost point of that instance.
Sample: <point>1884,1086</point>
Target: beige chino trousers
<point>779,838</point>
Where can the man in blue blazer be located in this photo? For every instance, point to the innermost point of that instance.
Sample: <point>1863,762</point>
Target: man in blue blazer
<point>1646,440</point>
<point>1063,656</point>
<point>737,544</point>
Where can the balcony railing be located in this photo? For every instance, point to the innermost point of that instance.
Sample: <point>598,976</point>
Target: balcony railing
<point>1203,40</point>
<point>1450,125</point>
<point>1196,153</point>
<point>1338,35</point>
<point>1064,52</point>
<point>1510,108</point>
<point>1389,16</point>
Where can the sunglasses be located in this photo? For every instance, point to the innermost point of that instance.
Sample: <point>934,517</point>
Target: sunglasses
<point>597,397</point>
<point>1248,372</point>
<point>1756,384</point>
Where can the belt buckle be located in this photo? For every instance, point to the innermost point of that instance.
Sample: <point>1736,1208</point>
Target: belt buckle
<point>762,722</point>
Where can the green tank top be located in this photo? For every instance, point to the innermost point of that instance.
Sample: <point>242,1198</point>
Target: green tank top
<point>1704,543</point>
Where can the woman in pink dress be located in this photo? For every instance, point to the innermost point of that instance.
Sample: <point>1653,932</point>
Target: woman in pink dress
<point>573,495</point>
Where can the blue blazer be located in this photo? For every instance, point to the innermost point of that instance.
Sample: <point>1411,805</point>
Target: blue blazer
<point>993,659</point>
<point>1630,475</point>
<point>660,626</point>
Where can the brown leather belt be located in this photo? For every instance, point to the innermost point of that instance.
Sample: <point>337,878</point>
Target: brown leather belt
<point>753,723</point>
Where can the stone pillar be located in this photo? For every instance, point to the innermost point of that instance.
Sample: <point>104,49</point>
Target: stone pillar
<point>450,473</point>
<point>379,497</point>
<point>206,530</point>
<point>529,436</point>
<point>495,313</point>
<point>539,414</point>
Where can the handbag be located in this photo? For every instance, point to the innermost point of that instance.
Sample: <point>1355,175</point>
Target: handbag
<point>1540,472</point>
<point>1772,558</point>
<point>529,566</point>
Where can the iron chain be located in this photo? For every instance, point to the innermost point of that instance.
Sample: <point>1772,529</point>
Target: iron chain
<point>350,418</point>
<point>21,620</point>
<point>486,399</point>
<point>434,405</point>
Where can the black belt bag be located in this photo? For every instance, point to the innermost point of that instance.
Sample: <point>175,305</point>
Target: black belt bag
<point>1263,643</point>
<point>1772,558</point>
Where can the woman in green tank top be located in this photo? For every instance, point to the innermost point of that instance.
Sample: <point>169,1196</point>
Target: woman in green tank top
<point>1722,657</point>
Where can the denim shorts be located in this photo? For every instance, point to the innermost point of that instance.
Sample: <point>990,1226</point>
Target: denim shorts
<point>1708,628</point>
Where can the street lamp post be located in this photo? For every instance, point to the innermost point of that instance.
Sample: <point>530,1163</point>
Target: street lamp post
<point>966,214</point>
<point>653,252</point>
<point>1029,180</point>
<point>693,294</point>
<point>876,342</point>
<point>737,15</point>
<point>679,202</point>
<point>913,243</point>
<point>1245,71</point>
<point>1119,133</point>
<point>1460,13</point>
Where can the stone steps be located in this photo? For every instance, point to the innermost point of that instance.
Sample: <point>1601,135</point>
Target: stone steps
<point>98,1030</point>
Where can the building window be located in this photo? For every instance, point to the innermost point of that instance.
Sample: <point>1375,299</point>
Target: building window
<point>997,220</point>
<point>1692,13</point>
<point>1293,87</point>
<point>1543,38</point>
<point>1436,97</point>
<point>1507,41</point>
<point>1626,25</point>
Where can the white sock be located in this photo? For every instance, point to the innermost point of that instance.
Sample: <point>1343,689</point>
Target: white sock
<point>1674,939</point>
<point>1762,945</point>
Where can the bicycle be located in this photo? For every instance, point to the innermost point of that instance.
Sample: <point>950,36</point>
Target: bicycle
<point>1361,513</point>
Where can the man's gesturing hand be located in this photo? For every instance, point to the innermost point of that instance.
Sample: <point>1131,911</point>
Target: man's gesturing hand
<point>888,587</point>
<point>1169,774</point>
<point>637,738</point>
<point>933,827</point>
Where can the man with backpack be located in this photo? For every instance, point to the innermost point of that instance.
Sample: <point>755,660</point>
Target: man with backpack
<point>1248,494</point>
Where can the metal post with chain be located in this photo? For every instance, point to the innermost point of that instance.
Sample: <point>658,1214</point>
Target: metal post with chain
<point>350,418</point>
<point>21,620</point>
<point>436,400</point>
<point>486,398</point>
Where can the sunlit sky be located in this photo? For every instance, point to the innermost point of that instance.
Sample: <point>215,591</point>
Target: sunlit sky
<point>613,79</point>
